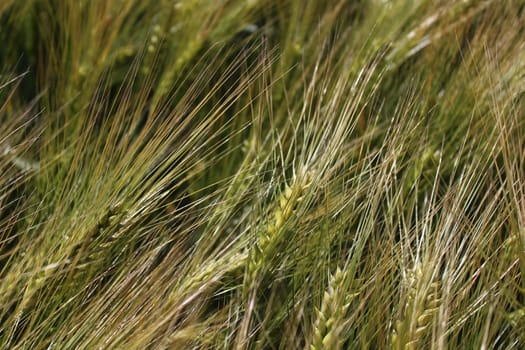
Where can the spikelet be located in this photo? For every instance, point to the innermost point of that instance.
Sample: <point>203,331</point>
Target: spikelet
<point>330,317</point>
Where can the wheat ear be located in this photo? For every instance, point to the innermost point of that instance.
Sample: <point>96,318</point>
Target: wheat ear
<point>268,238</point>
<point>330,321</point>
<point>422,302</point>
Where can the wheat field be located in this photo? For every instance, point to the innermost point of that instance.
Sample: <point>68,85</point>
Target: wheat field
<point>262,174</point>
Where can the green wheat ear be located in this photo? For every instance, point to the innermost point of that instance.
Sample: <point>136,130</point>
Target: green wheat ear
<point>422,302</point>
<point>268,241</point>
<point>270,236</point>
<point>330,322</point>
